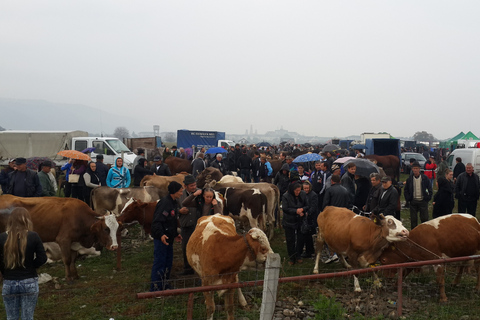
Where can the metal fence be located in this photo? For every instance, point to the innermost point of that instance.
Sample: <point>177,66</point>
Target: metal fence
<point>272,295</point>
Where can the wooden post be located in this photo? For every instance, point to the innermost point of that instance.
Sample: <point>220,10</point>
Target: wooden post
<point>270,285</point>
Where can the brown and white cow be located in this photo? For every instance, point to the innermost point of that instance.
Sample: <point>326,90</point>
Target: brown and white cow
<point>209,176</point>
<point>360,239</point>
<point>207,255</point>
<point>450,236</point>
<point>65,221</point>
<point>114,199</point>
<point>245,204</point>
<point>139,211</point>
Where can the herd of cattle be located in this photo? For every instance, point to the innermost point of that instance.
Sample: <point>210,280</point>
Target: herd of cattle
<point>68,225</point>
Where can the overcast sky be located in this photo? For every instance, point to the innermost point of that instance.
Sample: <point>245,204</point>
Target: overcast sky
<point>326,68</point>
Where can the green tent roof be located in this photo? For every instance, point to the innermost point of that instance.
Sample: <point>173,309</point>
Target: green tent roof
<point>458,136</point>
<point>469,136</point>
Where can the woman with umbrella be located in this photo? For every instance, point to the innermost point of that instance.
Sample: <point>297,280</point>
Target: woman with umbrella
<point>74,169</point>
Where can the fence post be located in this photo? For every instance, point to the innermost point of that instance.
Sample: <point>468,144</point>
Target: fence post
<point>270,284</point>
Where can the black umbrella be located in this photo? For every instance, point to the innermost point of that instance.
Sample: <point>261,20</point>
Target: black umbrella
<point>330,147</point>
<point>364,167</point>
<point>264,144</point>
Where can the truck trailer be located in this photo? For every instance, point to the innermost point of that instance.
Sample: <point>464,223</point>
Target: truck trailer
<point>28,144</point>
<point>202,139</point>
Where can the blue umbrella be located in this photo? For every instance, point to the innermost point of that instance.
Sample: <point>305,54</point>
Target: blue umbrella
<point>216,150</point>
<point>91,149</point>
<point>308,157</point>
<point>359,147</point>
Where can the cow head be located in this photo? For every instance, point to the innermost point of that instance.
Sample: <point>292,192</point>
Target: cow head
<point>258,242</point>
<point>208,175</point>
<point>393,229</point>
<point>392,255</point>
<point>105,231</point>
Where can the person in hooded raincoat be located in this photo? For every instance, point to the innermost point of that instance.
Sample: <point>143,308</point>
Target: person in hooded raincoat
<point>118,176</point>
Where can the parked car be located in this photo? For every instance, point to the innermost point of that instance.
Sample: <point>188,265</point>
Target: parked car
<point>406,156</point>
<point>468,155</point>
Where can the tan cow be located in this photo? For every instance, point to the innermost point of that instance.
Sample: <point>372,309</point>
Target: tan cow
<point>360,239</point>
<point>207,255</point>
<point>161,182</point>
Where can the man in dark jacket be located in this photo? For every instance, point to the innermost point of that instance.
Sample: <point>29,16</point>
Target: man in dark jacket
<point>418,191</point>
<point>198,165</point>
<point>219,164</point>
<point>245,165</point>
<point>164,232</point>
<point>374,194</point>
<point>319,178</point>
<point>23,181</point>
<point>256,166</point>
<point>337,195</point>
<point>467,190</point>
<point>282,179</point>
<point>188,219</point>
<point>459,168</point>
<point>102,170</point>
<point>388,200</point>
<point>159,168</point>
<point>4,181</point>
<point>348,180</point>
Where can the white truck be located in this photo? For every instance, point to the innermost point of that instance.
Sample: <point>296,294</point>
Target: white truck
<point>27,144</point>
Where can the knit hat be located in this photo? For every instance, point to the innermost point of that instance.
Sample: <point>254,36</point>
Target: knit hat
<point>173,187</point>
<point>20,161</point>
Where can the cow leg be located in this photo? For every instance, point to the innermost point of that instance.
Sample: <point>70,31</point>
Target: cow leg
<point>440,271</point>
<point>73,269</point>
<point>344,262</point>
<point>229,297</point>
<point>241,297</point>
<point>377,282</point>
<point>356,284</point>
<point>210,304</point>
<point>477,269</point>
<point>318,250</point>
<point>65,247</point>
<point>458,277</point>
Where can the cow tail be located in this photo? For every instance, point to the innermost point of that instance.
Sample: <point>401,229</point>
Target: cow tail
<point>92,194</point>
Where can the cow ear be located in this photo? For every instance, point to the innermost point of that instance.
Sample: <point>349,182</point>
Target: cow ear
<point>96,227</point>
<point>254,235</point>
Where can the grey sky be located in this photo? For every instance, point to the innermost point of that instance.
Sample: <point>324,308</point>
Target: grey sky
<point>326,68</point>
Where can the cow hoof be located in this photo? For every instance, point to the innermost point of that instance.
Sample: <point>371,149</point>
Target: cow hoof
<point>315,271</point>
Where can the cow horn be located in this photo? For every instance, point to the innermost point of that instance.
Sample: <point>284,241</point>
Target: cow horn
<point>236,218</point>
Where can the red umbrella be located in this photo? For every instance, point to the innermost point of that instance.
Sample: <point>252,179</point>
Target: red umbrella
<point>74,154</point>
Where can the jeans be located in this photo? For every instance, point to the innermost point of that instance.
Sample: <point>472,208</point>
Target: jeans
<point>162,265</point>
<point>20,296</point>
<point>245,175</point>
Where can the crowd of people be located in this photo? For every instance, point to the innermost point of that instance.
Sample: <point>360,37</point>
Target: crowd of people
<point>305,188</point>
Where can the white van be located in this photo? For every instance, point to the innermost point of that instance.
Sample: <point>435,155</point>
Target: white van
<point>110,148</point>
<point>468,155</point>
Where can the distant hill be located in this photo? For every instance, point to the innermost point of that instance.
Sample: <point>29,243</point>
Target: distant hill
<point>23,114</point>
